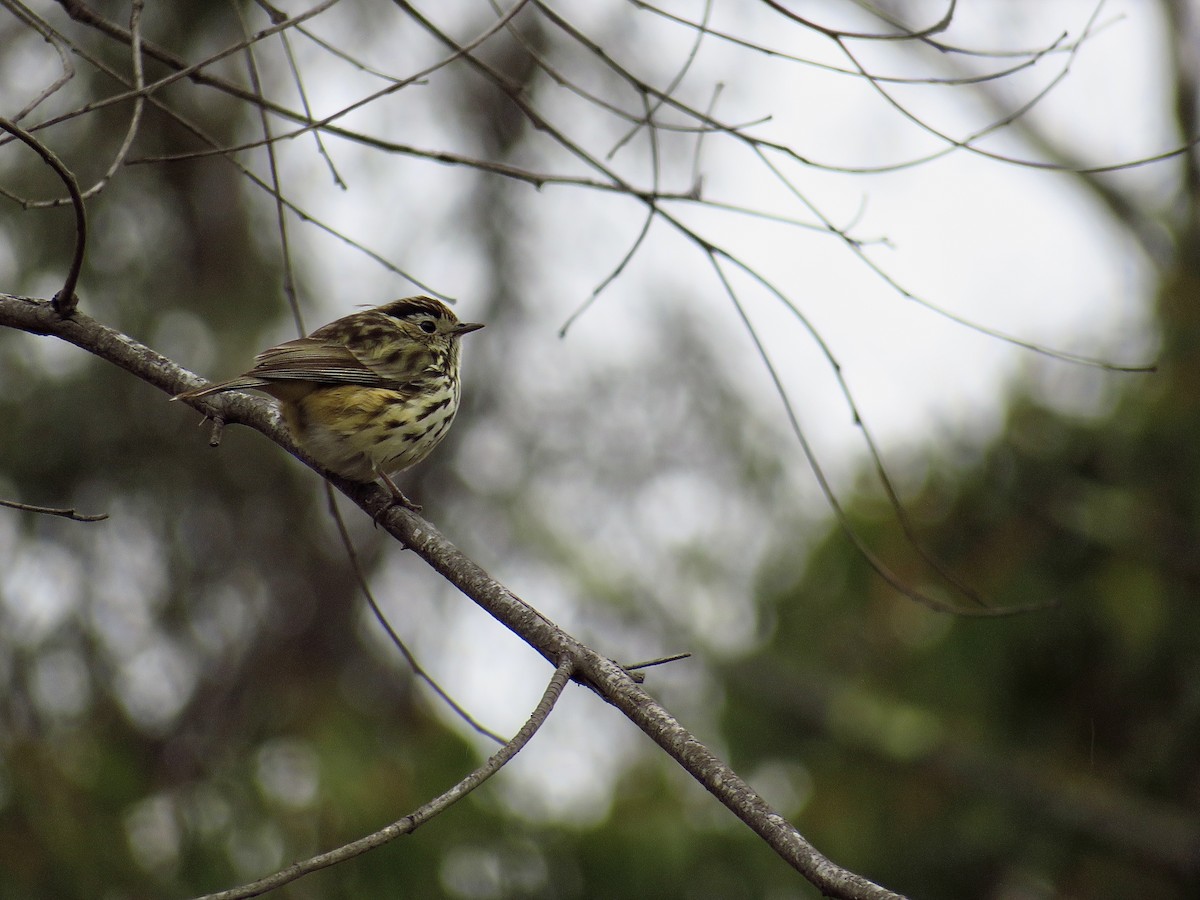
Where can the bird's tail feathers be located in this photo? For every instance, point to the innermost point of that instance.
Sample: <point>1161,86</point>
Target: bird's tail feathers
<point>220,387</point>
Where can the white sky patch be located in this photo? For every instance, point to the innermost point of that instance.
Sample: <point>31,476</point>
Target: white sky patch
<point>1012,248</point>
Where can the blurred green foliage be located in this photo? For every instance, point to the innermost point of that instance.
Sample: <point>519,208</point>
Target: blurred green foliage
<point>187,702</point>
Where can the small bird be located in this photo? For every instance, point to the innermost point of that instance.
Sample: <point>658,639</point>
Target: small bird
<point>369,394</point>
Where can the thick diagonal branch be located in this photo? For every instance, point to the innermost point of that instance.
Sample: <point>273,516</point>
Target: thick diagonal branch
<point>601,674</point>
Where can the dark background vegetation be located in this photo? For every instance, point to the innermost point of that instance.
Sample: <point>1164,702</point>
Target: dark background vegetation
<point>189,696</point>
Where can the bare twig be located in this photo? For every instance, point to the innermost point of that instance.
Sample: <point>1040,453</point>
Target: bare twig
<point>697,176</point>
<point>902,33</point>
<point>139,103</point>
<point>651,663</point>
<point>840,515</point>
<point>612,276</point>
<point>669,90</point>
<point>54,511</point>
<point>203,136</point>
<point>83,13</point>
<point>857,249</point>
<point>1025,58</point>
<point>60,47</point>
<point>278,15</point>
<point>413,664</point>
<point>65,300</point>
<point>417,818</point>
<point>968,144</point>
<point>285,249</point>
<point>183,69</point>
<point>218,429</point>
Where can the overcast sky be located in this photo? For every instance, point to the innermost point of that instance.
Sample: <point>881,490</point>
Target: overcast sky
<point>1015,249</point>
<point>1012,248</point>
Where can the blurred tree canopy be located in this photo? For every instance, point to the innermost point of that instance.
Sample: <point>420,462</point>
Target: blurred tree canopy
<point>194,692</point>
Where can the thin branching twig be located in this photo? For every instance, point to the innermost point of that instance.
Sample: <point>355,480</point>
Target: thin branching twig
<point>418,817</point>
<point>54,511</point>
<point>66,67</point>
<point>414,665</point>
<point>65,300</point>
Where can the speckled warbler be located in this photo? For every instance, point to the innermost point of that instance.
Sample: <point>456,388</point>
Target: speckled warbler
<point>367,395</point>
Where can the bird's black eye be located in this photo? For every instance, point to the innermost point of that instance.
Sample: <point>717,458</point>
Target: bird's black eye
<point>428,326</point>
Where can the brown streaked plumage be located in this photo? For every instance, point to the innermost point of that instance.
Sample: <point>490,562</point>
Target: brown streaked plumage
<point>367,395</point>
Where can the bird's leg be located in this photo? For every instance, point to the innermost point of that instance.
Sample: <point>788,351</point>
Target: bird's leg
<point>397,494</point>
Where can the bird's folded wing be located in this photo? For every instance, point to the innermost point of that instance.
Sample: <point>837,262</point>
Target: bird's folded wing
<point>317,361</point>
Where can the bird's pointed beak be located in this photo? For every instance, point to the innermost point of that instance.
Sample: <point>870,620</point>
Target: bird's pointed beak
<point>467,327</point>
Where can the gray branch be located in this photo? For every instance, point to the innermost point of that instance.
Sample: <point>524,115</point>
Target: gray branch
<point>609,680</point>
